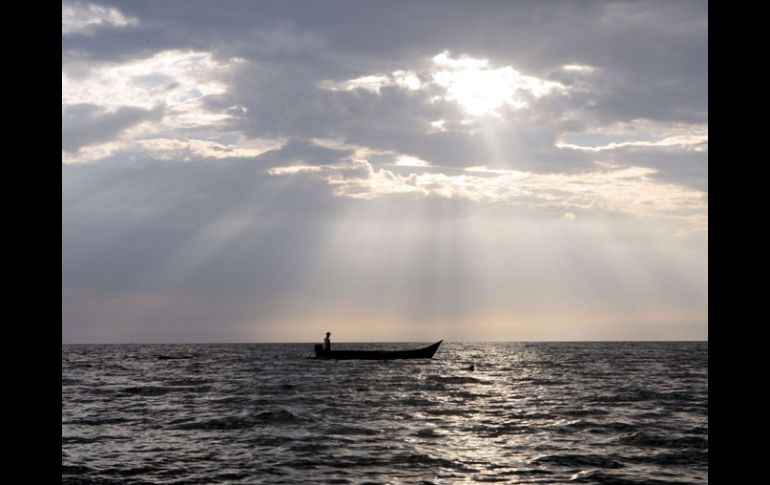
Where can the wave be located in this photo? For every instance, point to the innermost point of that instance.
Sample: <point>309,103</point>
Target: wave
<point>265,414</point>
<point>578,461</point>
<point>270,417</point>
<point>602,477</point>
<point>660,441</point>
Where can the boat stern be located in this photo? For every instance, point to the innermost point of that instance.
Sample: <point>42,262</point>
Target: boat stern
<point>319,350</point>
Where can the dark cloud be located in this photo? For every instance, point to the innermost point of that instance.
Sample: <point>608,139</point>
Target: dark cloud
<point>651,61</point>
<point>302,152</point>
<point>657,47</point>
<point>88,124</point>
<point>687,168</point>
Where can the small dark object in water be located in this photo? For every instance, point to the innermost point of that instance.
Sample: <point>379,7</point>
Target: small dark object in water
<point>174,357</point>
<point>423,353</point>
<point>472,366</point>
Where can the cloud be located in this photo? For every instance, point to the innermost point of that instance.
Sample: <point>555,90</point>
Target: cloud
<point>297,151</point>
<point>88,124</point>
<point>87,18</point>
<point>178,79</point>
<point>479,88</point>
<point>410,166</point>
<point>303,75</point>
<point>482,90</point>
<point>638,134</point>
<point>579,68</point>
<point>628,190</point>
<point>162,97</point>
<point>374,83</point>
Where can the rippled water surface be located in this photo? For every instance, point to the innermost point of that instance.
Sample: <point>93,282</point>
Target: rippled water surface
<point>528,413</point>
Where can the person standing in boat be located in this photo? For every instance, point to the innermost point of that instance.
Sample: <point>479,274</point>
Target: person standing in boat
<point>327,342</point>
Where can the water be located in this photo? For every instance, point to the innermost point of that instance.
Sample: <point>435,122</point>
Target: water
<point>529,413</point>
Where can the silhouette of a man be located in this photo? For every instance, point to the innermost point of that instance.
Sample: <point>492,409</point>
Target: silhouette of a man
<point>327,342</point>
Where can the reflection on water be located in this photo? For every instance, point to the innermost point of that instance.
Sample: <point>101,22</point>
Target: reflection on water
<point>528,413</point>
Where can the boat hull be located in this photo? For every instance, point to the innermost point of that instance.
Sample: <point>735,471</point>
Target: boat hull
<point>423,353</point>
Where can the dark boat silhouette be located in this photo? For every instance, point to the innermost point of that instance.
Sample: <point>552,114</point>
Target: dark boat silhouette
<point>423,353</point>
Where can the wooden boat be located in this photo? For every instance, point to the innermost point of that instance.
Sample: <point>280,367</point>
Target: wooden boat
<point>423,353</point>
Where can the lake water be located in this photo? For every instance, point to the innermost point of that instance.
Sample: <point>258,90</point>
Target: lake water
<point>265,413</point>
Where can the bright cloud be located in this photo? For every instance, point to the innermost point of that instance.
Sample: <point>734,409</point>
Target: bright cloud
<point>438,125</point>
<point>629,190</point>
<point>174,149</point>
<point>637,133</point>
<point>406,161</point>
<point>294,169</point>
<point>86,18</point>
<point>177,79</point>
<point>172,81</point>
<point>467,81</point>
<point>374,83</point>
<point>482,90</point>
<point>579,68</point>
<point>407,80</point>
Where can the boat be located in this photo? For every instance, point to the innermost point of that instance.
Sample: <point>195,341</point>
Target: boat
<point>423,353</point>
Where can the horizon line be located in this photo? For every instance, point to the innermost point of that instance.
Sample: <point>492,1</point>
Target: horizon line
<point>387,342</point>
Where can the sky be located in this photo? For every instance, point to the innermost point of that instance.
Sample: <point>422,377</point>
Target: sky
<point>386,171</point>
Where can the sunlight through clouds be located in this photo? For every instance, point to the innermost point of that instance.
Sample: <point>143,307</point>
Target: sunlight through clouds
<point>627,190</point>
<point>482,90</point>
<point>405,167</point>
<point>470,82</point>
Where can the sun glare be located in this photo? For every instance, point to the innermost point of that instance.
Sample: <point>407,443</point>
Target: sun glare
<point>482,90</point>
